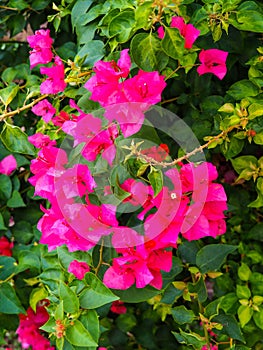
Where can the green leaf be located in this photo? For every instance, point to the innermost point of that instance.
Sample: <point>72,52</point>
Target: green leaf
<point>258,317</point>
<point>79,8</point>
<point>255,110</point>
<point>70,299</point>
<point>243,292</point>
<point>136,295</point>
<point>233,148</point>
<point>244,314</point>
<point>256,232</point>
<point>9,302</point>
<point>211,257</point>
<point>65,257</point>
<point>243,88</point>
<point>199,288</point>
<point>173,43</point>
<point>227,108</point>
<point>15,140</point>
<point>2,223</point>
<point>93,50</point>
<point>104,23</point>
<point>7,267</point>
<point>15,201</point>
<point>90,320</point>
<point>155,177</point>
<point>27,260</point>
<point>188,251</point>
<point>59,312</point>
<point>121,26</point>
<point>259,201</point>
<point>8,94</point>
<point>188,61</point>
<point>182,315</point>
<point>95,294</point>
<point>250,15</point>
<point>228,301</point>
<point>126,322</point>
<point>37,295</point>
<point>6,187</point>
<point>230,326</point>
<point>191,339</point>
<point>258,138</point>
<point>79,336</point>
<point>147,52</point>
<point>49,326</point>
<point>142,15</point>
<point>244,162</point>
<point>244,272</point>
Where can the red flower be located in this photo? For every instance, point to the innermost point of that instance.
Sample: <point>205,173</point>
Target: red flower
<point>5,246</point>
<point>118,307</point>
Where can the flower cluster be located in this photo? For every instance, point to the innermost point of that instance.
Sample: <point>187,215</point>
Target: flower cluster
<point>192,204</point>
<point>28,331</point>
<point>41,42</point>
<point>212,61</point>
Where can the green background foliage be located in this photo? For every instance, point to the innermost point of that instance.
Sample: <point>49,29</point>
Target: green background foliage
<point>216,281</point>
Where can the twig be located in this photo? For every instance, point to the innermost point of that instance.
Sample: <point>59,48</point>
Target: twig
<point>18,110</point>
<point>137,153</point>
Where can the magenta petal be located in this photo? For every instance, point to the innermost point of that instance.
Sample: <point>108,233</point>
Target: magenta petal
<point>191,35</point>
<point>118,279</point>
<point>160,32</point>
<point>219,71</point>
<point>109,154</point>
<point>143,276</point>
<point>179,23</point>
<point>7,165</point>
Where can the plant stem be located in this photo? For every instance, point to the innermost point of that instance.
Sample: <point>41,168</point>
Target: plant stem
<point>100,258</point>
<point>18,110</point>
<point>152,161</point>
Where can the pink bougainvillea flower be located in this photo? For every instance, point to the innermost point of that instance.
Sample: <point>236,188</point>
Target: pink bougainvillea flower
<point>102,143</point>
<point>140,265</point>
<point>55,82</point>
<point>104,85</point>
<point>118,307</point>
<point>40,140</point>
<point>41,44</point>
<point>5,246</point>
<point>144,87</point>
<point>188,31</point>
<point>213,61</point>
<point>138,191</point>
<point>78,268</point>
<point>206,218</point>
<point>56,229</point>
<point>29,334</point>
<point>89,221</point>
<point>49,162</point>
<point>76,181</point>
<point>83,129</point>
<point>129,116</point>
<point>44,109</point>
<point>63,117</point>
<point>41,39</point>
<point>8,165</point>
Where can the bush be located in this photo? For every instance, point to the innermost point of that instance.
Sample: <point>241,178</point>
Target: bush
<point>131,174</point>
